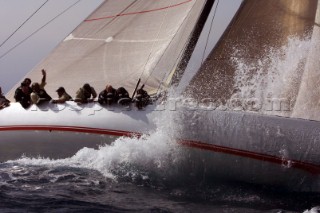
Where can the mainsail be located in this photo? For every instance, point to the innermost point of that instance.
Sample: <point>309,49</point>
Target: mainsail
<point>121,42</point>
<point>259,62</point>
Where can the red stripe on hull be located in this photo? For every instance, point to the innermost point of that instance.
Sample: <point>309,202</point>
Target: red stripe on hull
<point>70,129</point>
<point>311,168</point>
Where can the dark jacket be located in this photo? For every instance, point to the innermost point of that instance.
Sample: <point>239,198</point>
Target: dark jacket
<point>43,96</point>
<point>22,98</point>
<point>142,98</point>
<point>123,96</point>
<point>108,97</point>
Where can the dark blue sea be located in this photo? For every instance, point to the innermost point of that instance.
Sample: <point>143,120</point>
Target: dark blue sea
<point>150,174</point>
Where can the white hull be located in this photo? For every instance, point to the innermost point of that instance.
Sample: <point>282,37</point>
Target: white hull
<point>256,148</point>
<point>238,146</point>
<point>59,131</point>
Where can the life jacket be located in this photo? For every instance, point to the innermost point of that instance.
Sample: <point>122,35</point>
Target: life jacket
<point>107,97</point>
<point>3,100</point>
<point>43,96</point>
<point>22,98</point>
<point>142,98</point>
<point>123,96</point>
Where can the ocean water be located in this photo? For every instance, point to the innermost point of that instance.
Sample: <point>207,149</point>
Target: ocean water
<point>153,173</point>
<point>149,174</point>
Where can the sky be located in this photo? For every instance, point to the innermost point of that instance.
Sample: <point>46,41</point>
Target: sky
<point>16,63</point>
<point>13,13</point>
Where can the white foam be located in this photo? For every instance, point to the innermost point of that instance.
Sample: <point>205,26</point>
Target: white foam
<point>313,210</point>
<point>154,152</point>
<point>274,78</point>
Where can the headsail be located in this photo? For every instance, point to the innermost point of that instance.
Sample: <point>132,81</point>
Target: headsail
<point>252,63</point>
<point>121,42</point>
<point>308,101</point>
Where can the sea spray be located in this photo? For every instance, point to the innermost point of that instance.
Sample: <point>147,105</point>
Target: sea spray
<point>270,84</point>
<point>155,154</point>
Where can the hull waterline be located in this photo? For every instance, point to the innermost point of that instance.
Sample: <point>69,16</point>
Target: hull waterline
<point>229,145</point>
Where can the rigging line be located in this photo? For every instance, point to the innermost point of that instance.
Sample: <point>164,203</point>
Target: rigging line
<point>205,49</point>
<point>153,44</point>
<point>51,20</point>
<point>175,64</point>
<point>23,23</point>
<point>185,18</point>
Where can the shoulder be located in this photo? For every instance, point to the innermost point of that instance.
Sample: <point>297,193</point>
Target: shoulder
<point>79,90</point>
<point>65,96</point>
<point>33,94</point>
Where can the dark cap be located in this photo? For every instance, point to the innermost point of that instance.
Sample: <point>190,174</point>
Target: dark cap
<point>60,89</point>
<point>27,79</point>
<point>24,84</point>
<point>87,87</point>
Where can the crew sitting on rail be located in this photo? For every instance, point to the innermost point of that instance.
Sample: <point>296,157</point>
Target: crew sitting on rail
<point>142,98</point>
<point>85,94</point>
<point>22,95</point>
<point>39,95</point>
<point>3,101</point>
<point>123,96</point>
<point>28,82</point>
<point>63,96</point>
<point>108,95</point>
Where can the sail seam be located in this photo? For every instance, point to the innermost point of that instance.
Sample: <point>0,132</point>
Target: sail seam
<point>139,12</point>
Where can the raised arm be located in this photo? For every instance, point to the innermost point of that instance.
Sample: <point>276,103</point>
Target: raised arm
<point>44,77</point>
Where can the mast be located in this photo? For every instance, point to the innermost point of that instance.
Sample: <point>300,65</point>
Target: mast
<point>193,40</point>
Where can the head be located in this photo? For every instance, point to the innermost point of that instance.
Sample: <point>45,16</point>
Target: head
<point>109,88</point>
<point>35,87</point>
<point>24,87</point>
<point>27,81</point>
<point>87,90</point>
<point>140,91</point>
<point>87,87</point>
<point>121,92</point>
<point>60,91</point>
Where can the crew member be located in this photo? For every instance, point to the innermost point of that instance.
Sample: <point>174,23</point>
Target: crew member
<point>63,96</point>
<point>85,94</point>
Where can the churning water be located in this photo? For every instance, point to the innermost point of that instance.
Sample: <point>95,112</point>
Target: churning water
<point>147,174</point>
<point>152,173</point>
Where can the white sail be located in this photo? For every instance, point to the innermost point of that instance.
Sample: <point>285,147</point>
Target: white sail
<point>259,62</point>
<point>121,42</point>
<point>308,100</point>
